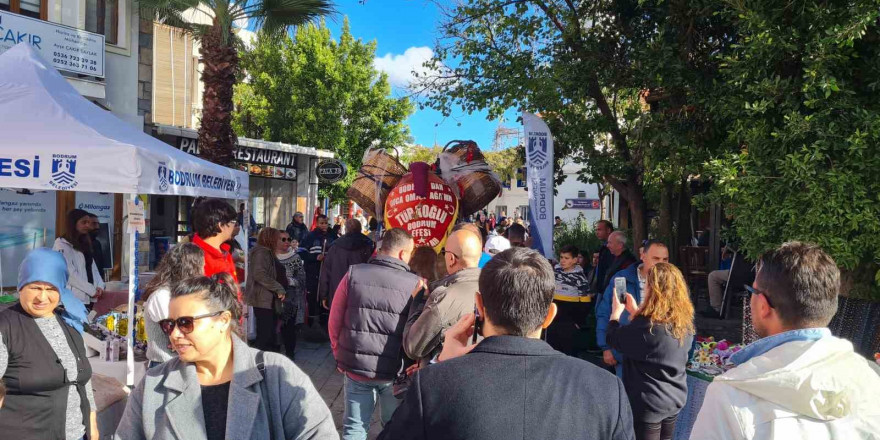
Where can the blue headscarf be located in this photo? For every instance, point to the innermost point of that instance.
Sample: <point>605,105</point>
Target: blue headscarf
<point>48,266</point>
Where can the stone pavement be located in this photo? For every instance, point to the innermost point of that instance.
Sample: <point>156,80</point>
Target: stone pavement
<point>317,361</point>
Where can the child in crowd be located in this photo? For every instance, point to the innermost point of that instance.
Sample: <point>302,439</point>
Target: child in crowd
<point>573,301</point>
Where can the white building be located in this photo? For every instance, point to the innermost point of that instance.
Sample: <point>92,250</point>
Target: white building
<point>573,198</point>
<point>118,89</point>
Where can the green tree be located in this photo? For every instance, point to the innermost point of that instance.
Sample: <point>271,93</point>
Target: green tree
<point>801,92</point>
<point>588,68</point>
<point>316,92</point>
<point>219,53</point>
<point>420,153</point>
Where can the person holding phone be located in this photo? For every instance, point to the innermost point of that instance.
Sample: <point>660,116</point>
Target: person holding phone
<point>655,348</point>
<point>634,278</point>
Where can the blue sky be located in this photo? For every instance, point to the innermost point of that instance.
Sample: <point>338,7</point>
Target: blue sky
<point>405,32</point>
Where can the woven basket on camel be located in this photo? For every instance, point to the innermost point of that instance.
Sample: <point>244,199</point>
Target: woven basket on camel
<point>471,174</point>
<point>380,171</point>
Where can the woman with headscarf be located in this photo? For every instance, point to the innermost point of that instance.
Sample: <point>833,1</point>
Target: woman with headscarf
<point>184,261</point>
<point>43,359</point>
<point>76,247</point>
<point>218,387</point>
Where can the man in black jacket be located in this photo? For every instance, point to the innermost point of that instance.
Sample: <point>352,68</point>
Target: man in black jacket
<point>352,248</point>
<point>623,258</point>
<point>297,229</point>
<point>604,228</point>
<point>511,385</point>
<point>315,247</point>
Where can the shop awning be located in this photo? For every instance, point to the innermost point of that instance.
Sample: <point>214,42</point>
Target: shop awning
<point>51,138</point>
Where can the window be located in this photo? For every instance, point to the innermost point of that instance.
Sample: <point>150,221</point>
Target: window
<point>102,17</point>
<point>29,8</point>
<point>582,194</point>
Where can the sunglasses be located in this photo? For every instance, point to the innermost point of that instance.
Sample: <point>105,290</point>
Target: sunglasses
<point>184,323</point>
<point>754,291</point>
<point>286,240</point>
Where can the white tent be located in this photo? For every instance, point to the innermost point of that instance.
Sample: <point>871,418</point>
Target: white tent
<point>51,138</point>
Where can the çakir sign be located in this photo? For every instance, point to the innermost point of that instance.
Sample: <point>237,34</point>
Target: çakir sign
<point>428,220</point>
<point>331,171</point>
<point>66,48</point>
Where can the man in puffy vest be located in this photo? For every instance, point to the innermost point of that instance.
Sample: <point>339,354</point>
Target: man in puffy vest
<point>367,318</point>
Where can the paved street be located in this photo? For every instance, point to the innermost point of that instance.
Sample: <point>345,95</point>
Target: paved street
<point>317,361</point>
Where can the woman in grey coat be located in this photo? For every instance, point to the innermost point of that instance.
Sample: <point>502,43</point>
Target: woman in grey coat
<point>218,387</point>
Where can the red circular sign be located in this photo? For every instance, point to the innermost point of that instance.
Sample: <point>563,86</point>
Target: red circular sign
<point>428,219</point>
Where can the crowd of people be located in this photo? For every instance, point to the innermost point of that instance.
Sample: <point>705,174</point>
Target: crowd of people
<point>476,342</point>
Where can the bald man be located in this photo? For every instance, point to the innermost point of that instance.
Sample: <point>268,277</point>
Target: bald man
<point>450,298</point>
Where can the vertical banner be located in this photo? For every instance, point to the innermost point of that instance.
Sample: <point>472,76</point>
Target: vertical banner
<point>539,172</point>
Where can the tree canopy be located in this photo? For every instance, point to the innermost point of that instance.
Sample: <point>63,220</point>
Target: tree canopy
<point>313,91</point>
<point>800,90</point>
<point>621,84</point>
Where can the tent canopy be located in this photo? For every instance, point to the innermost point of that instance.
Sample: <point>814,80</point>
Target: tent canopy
<point>53,138</point>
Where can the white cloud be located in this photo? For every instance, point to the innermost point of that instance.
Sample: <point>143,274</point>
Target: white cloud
<point>400,67</point>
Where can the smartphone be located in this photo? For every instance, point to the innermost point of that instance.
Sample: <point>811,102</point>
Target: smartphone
<point>478,326</point>
<point>620,289</point>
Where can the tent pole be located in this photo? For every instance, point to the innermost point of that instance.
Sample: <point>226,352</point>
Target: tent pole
<point>132,291</point>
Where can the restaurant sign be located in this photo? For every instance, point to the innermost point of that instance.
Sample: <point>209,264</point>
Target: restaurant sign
<point>255,161</point>
<point>66,48</point>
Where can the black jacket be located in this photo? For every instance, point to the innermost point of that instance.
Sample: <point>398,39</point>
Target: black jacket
<point>297,231</point>
<point>314,244</point>
<point>601,269</point>
<point>653,367</point>
<point>348,250</point>
<point>510,387</point>
<point>618,264</point>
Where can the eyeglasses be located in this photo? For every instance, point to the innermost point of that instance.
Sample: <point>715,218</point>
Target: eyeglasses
<point>444,252</point>
<point>754,291</point>
<point>184,323</point>
<point>286,239</point>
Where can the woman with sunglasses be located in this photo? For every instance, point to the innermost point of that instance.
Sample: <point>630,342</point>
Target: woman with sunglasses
<point>43,358</point>
<point>218,387</point>
<point>264,292</point>
<point>293,312</point>
<point>182,262</point>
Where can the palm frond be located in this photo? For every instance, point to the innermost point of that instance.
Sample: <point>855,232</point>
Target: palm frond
<point>274,15</point>
<point>166,11</point>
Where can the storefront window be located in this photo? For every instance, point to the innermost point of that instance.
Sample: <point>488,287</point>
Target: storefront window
<point>30,8</point>
<point>102,17</point>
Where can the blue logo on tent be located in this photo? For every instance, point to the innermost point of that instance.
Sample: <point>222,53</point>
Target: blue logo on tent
<point>163,181</point>
<point>537,152</point>
<point>63,171</point>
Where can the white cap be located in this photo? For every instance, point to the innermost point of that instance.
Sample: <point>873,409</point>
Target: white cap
<point>496,244</point>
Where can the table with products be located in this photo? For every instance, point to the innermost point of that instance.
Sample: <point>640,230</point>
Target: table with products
<point>709,358</point>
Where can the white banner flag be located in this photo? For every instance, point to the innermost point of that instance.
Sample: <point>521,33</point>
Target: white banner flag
<point>539,163</point>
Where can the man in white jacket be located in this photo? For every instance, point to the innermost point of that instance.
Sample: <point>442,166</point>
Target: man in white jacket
<point>798,381</point>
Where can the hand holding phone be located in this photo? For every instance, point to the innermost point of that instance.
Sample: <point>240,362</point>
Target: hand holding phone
<point>455,341</point>
<point>620,289</point>
<point>478,325</point>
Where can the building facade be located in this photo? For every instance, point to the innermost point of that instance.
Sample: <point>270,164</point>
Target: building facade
<point>573,200</point>
<point>283,178</point>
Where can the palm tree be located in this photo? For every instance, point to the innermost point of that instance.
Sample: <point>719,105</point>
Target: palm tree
<point>220,52</point>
